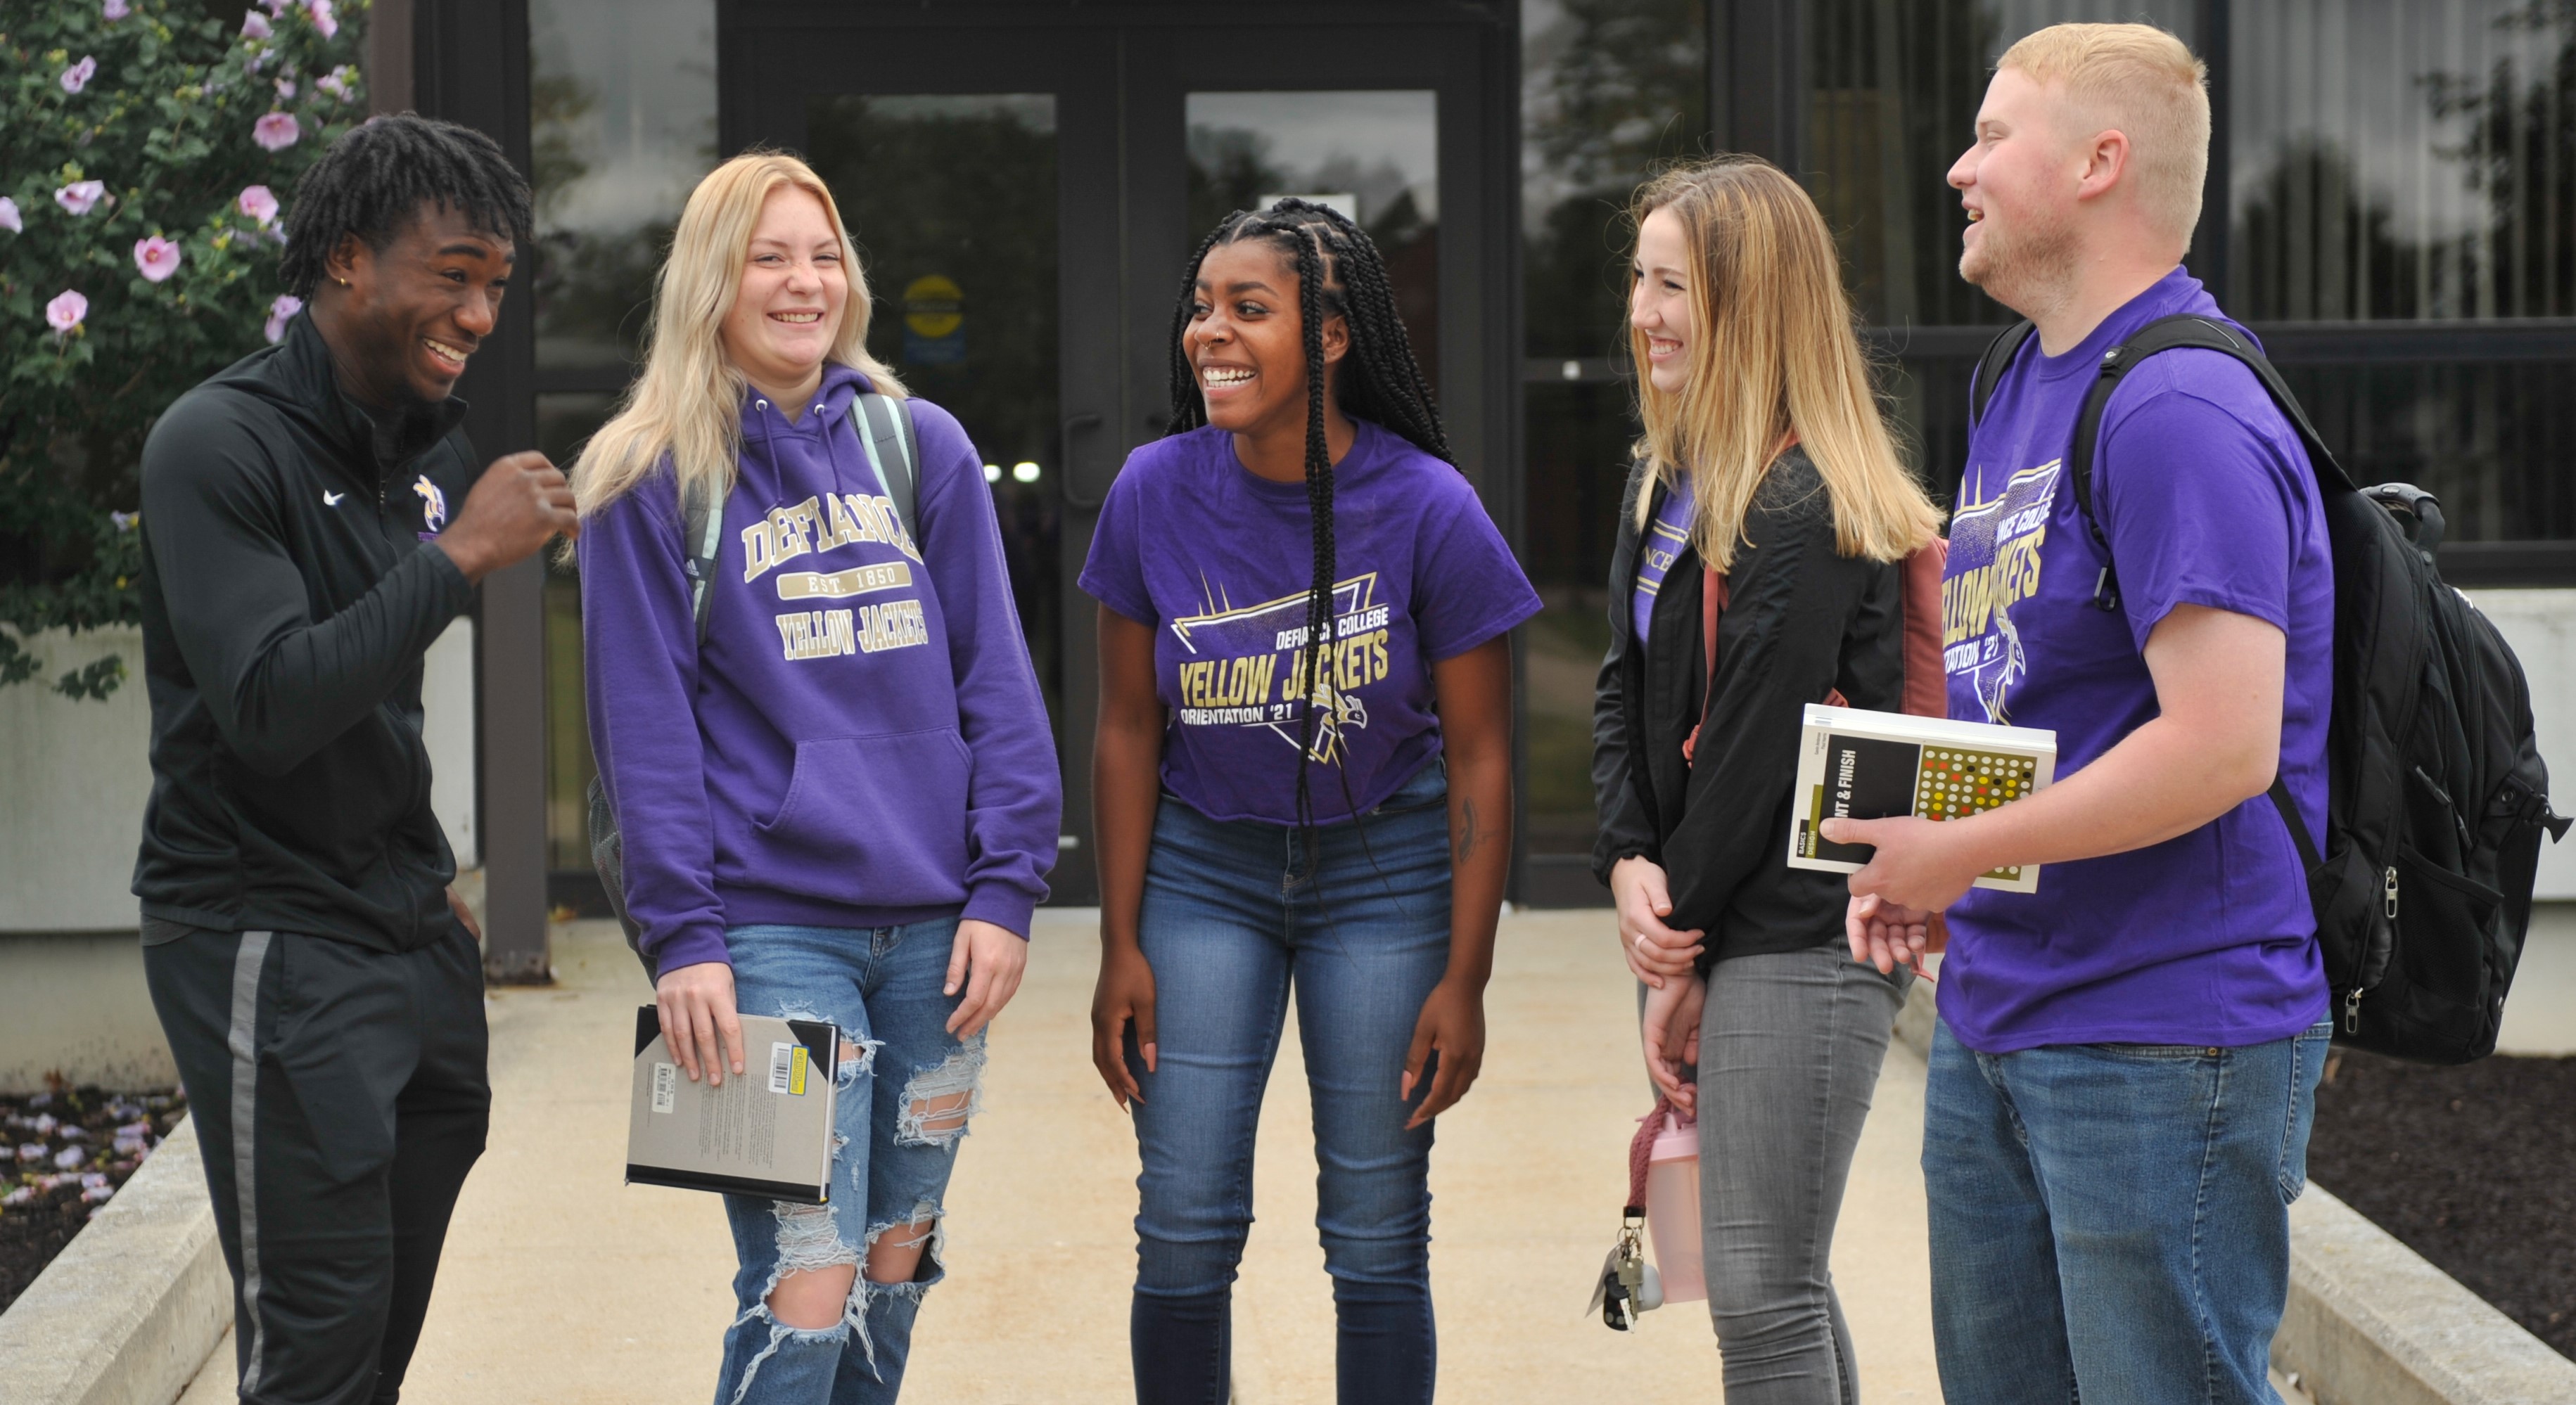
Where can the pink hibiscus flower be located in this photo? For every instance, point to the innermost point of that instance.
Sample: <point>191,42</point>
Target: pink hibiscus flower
<point>258,202</point>
<point>78,75</point>
<point>80,197</point>
<point>275,131</point>
<point>66,311</point>
<point>255,25</point>
<point>280,313</point>
<point>9,216</point>
<point>157,257</point>
<point>114,10</point>
<point>323,19</point>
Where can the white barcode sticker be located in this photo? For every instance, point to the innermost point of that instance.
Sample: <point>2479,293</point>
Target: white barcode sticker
<point>787,1069</point>
<point>666,1087</point>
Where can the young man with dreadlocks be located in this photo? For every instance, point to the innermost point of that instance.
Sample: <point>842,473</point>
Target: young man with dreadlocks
<point>1304,673</point>
<point>321,987</point>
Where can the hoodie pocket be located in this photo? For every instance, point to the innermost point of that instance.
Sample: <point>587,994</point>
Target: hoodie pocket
<point>872,821</point>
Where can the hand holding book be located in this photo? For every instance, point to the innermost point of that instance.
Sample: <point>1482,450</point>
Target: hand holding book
<point>1920,866</point>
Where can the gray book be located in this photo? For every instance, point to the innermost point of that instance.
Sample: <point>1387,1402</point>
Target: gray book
<point>766,1133</point>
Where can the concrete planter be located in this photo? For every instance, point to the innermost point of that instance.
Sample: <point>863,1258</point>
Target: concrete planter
<point>129,1310</point>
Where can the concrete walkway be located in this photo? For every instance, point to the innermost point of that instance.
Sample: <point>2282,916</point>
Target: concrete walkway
<point>562,1285</point>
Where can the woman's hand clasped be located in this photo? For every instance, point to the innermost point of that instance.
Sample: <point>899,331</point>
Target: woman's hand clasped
<point>1669,1032</point>
<point>1654,951</point>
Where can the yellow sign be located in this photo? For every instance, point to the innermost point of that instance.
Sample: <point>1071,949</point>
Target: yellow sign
<point>933,305</point>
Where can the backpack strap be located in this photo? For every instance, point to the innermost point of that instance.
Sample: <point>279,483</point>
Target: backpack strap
<point>1997,359</point>
<point>1991,366</point>
<point>2204,334</point>
<point>1712,604</point>
<point>2165,334</point>
<point>890,441</point>
<point>701,536</point>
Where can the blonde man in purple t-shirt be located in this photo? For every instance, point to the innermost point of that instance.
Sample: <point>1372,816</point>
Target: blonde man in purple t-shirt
<point>2124,1070</point>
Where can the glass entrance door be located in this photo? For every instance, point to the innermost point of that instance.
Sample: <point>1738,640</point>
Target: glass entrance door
<point>1024,194</point>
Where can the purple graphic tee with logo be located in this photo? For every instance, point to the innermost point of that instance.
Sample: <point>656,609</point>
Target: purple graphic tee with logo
<point>1218,561</point>
<point>1665,537</point>
<point>2208,499</point>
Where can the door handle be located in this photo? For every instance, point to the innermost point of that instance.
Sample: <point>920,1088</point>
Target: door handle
<point>1064,455</point>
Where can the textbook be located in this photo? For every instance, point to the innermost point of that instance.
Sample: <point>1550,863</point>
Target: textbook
<point>767,1133</point>
<point>1860,765</point>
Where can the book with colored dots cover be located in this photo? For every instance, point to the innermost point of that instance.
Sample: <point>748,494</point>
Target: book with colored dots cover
<point>1861,765</point>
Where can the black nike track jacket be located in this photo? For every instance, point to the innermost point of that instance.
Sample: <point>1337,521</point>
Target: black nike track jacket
<point>289,592</point>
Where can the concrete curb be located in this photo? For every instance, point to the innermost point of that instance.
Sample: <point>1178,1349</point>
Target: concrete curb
<point>2369,1321</point>
<point>128,1312</point>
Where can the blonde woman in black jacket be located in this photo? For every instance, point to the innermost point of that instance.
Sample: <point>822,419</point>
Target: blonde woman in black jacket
<point>1765,461</point>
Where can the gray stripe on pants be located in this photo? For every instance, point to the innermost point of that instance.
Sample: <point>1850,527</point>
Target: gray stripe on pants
<point>243,1040</point>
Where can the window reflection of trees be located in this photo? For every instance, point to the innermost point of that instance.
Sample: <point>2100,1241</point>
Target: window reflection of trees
<point>2458,203</point>
<point>1231,168</point>
<point>1611,90</point>
<point>964,187</point>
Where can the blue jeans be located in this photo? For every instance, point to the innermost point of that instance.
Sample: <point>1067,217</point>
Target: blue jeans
<point>1236,916</point>
<point>2112,1220</point>
<point>904,1103</point>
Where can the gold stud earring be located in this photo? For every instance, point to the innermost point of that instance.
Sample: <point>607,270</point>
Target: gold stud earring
<point>343,282</point>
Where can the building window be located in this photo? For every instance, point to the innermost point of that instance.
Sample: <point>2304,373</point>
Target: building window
<point>2393,209</point>
<point>622,123</point>
<point>2402,192</point>
<point>1610,88</point>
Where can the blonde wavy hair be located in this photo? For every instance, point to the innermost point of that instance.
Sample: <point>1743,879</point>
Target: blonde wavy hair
<point>688,401</point>
<point>1772,353</point>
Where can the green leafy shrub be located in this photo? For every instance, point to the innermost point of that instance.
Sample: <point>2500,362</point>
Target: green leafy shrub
<point>146,150</point>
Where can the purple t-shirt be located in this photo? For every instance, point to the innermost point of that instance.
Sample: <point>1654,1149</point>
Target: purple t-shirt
<point>1662,545</point>
<point>1219,561</point>
<point>2208,499</point>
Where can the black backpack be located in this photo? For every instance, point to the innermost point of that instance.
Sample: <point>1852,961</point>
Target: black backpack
<point>890,443</point>
<point>2436,795</point>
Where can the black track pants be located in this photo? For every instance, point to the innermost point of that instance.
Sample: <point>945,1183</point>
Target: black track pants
<point>340,1097</point>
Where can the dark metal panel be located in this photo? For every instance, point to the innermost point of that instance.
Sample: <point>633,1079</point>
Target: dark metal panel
<point>389,61</point>
<point>2208,257</point>
<point>1757,79</point>
<point>470,65</point>
<point>2475,564</point>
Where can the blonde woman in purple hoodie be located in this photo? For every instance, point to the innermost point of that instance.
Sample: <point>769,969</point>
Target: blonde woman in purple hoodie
<point>839,800</point>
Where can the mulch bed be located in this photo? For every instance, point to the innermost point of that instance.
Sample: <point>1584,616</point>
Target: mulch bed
<point>63,1156</point>
<point>2472,1167</point>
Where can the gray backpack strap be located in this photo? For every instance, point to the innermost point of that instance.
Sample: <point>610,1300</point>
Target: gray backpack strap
<point>891,452</point>
<point>701,536</point>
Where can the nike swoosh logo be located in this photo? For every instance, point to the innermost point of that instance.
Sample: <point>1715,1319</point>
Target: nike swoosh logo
<point>332,499</point>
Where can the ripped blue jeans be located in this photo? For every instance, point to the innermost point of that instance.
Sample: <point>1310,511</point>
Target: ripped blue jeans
<point>905,1101</point>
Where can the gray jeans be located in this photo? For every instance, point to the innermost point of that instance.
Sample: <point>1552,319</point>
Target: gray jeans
<point>1790,1047</point>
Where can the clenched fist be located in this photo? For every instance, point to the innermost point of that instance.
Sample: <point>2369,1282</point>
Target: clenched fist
<point>519,504</point>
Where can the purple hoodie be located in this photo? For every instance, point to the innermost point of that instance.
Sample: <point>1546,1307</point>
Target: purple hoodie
<point>860,741</point>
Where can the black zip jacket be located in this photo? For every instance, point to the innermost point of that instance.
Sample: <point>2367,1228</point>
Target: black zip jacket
<point>289,593</point>
<point>1801,621</point>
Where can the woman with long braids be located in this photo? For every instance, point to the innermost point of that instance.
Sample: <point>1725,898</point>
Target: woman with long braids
<point>1764,460</point>
<point>1303,785</point>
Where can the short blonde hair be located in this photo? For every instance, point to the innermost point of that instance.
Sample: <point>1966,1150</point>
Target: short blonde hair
<point>2142,82</point>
